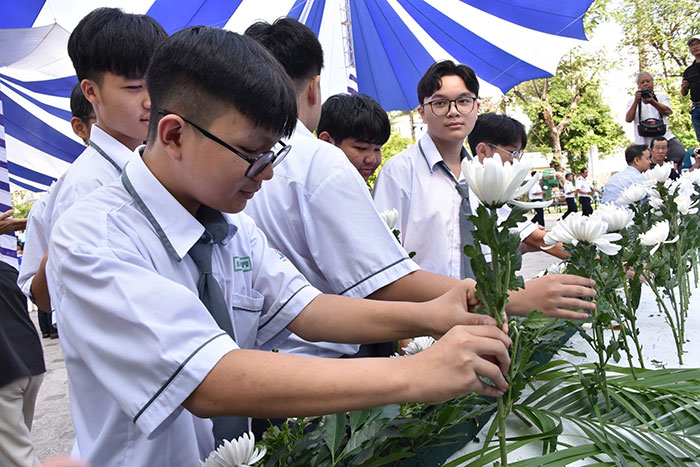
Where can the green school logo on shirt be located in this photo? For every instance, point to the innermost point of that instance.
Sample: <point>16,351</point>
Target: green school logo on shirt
<point>241,263</point>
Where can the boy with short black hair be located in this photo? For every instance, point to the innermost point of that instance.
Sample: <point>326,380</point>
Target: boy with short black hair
<point>427,187</point>
<point>165,295</point>
<point>110,51</point>
<point>359,126</point>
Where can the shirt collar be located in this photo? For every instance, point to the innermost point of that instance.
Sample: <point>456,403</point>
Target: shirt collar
<point>177,229</point>
<point>629,167</point>
<point>301,129</point>
<point>119,153</point>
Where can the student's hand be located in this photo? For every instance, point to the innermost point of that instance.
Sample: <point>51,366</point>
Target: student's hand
<point>555,295</point>
<point>8,225</point>
<point>456,307</point>
<point>452,366</point>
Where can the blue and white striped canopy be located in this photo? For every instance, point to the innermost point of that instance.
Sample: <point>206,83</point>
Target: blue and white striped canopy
<point>379,47</point>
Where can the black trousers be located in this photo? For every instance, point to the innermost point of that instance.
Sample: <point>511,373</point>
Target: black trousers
<point>570,207</point>
<point>586,207</point>
<point>45,325</point>
<point>538,218</point>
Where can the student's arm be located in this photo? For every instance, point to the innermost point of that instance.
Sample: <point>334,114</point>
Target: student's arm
<point>555,295</point>
<point>536,240</point>
<point>685,86</point>
<point>8,225</point>
<point>279,385</point>
<point>418,286</point>
<point>39,287</point>
<point>326,318</point>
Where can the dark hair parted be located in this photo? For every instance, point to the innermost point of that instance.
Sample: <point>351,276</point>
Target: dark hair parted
<point>79,106</point>
<point>354,116</point>
<point>201,72</point>
<point>431,80</point>
<point>109,40</point>
<point>634,151</point>
<point>657,138</point>
<point>292,43</point>
<point>501,130</point>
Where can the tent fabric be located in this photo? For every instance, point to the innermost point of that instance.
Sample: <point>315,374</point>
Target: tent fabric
<point>393,43</point>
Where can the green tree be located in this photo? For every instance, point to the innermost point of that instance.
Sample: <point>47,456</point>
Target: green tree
<point>657,31</point>
<point>568,112</point>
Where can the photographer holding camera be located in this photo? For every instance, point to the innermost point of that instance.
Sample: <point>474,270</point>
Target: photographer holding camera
<point>649,111</point>
<point>691,82</point>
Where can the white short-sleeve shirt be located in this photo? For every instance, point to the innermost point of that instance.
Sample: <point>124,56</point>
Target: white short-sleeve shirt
<point>99,164</point>
<point>135,336</point>
<point>649,111</point>
<point>536,188</point>
<point>569,189</point>
<point>317,210</point>
<point>428,205</point>
<point>584,185</point>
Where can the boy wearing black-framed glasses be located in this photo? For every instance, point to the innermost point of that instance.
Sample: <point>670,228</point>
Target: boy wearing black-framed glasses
<point>425,184</point>
<point>170,292</point>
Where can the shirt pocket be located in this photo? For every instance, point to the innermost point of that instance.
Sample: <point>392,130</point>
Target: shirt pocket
<point>246,310</point>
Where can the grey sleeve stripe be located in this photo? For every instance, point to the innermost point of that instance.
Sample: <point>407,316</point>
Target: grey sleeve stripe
<point>174,375</point>
<point>372,275</point>
<point>280,308</point>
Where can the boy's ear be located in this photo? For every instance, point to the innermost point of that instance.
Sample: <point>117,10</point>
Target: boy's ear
<point>170,134</point>
<point>421,112</point>
<point>314,90</point>
<point>482,151</point>
<point>79,128</point>
<point>325,136</point>
<point>90,90</point>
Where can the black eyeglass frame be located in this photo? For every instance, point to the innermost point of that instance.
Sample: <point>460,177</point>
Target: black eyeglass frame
<point>449,105</point>
<point>257,164</point>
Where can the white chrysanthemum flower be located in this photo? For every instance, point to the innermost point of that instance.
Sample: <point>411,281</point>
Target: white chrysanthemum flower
<point>685,204</point>
<point>658,174</point>
<point>579,228</point>
<point>657,235</point>
<point>691,177</point>
<point>632,194</point>
<point>496,183</point>
<point>418,344</point>
<point>557,268</point>
<point>240,452</point>
<point>684,186</point>
<point>389,216</point>
<point>617,218</point>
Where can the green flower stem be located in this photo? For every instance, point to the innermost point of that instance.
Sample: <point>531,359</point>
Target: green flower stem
<point>669,318</point>
<point>631,318</point>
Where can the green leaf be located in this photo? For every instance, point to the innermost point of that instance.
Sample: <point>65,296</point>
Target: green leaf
<point>333,432</point>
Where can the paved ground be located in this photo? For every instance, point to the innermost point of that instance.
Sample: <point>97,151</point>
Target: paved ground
<point>53,429</point>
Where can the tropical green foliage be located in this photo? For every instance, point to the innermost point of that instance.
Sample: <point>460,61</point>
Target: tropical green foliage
<point>567,111</point>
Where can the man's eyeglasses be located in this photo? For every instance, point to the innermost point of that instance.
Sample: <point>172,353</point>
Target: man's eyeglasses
<point>257,164</point>
<point>513,154</point>
<point>441,107</point>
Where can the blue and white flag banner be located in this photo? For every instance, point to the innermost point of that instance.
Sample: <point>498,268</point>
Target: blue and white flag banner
<point>8,242</point>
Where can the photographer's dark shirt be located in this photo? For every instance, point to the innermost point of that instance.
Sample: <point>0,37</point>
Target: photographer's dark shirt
<point>692,74</point>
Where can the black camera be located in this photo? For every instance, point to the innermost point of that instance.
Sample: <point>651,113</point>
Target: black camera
<point>648,93</point>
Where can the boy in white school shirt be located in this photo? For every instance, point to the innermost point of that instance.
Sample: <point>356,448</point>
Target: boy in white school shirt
<point>148,362</point>
<point>318,212</point>
<point>110,51</point>
<point>420,182</point>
